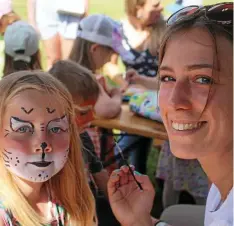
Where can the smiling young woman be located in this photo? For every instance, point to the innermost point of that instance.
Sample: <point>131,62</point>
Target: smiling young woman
<point>196,103</point>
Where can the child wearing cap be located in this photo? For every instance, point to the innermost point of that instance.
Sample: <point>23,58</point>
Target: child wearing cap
<point>98,37</point>
<point>21,48</point>
<point>7,15</point>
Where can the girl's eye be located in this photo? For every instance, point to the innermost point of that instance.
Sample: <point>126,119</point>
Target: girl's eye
<point>166,79</point>
<point>24,129</point>
<point>56,130</point>
<point>204,80</point>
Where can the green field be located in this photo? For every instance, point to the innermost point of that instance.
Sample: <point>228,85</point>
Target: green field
<point>113,8</point>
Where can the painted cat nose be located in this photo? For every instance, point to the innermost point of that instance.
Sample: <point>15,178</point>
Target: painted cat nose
<point>44,145</point>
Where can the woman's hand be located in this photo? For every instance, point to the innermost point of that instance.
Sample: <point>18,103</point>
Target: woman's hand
<point>130,205</point>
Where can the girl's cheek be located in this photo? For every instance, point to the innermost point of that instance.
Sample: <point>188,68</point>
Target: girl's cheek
<point>60,143</point>
<point>22,145</point>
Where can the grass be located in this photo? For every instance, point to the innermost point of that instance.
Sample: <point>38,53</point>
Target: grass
<point>112,8</point>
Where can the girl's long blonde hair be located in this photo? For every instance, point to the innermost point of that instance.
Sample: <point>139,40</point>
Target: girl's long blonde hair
<point>69,187</point>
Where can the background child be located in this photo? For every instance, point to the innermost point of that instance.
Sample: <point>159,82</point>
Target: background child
<point>85,91</point>
<point>42,169</point>
<point>21,48</point>
<point>95,43</point>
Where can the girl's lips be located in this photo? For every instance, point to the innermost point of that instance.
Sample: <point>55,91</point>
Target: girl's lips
<point>40,164</point>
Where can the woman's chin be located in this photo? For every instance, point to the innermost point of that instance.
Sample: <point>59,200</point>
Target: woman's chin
<point>183,152</point>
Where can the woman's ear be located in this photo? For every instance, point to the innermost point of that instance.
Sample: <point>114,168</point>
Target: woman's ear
<point>94,47</point>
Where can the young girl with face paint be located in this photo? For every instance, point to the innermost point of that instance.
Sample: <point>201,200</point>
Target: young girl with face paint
<point>42,171</point>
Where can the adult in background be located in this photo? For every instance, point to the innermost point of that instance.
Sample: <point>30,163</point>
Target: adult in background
<point>57,22</point>
<point>143,24</point>
<point>196,103</point>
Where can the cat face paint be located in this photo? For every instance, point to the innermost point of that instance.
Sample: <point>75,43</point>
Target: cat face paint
<point>32,167</point>
<point>35,145</point>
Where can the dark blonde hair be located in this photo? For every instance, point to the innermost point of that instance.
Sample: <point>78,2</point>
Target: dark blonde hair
<point>81,54</point>
<point>70,186</point>
<point>79,80</point>
<point>11,66</point>
<point>156,35</point>
<point>192,21</point>
<point>131,6</point>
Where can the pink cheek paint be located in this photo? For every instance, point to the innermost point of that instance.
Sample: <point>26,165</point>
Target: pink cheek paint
<point>16,144</point>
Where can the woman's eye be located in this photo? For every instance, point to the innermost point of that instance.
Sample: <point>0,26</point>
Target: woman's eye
<point>204,80</point>
<point>24,129</point>
<point>56,130</point>
<point>166,79</point>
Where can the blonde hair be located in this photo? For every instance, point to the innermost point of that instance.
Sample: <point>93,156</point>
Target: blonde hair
<point>69,186</point>
<point>81,53</point>
<point>156,35</point>
<point>131,6</point>
<point>79,80</point>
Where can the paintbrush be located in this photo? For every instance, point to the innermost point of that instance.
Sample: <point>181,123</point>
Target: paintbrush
<point>126,162</point>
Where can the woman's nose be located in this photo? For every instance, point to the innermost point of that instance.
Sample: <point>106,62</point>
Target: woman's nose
<point>180,98</point>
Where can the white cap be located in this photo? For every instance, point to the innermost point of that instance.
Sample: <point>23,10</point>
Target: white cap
<point>5,7</point>
<point>103,30</point>
<point>21,36</point>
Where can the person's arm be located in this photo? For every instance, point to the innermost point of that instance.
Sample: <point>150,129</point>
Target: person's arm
<point>101,178</point>
<point>2,222</point>
<point>86,7</point>
<point>108,106</point>
<point>31,7</point>
<point>149,82</point>
<point>132,77</point>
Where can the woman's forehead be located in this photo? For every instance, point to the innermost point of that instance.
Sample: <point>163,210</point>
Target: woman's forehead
<point>196,45</point>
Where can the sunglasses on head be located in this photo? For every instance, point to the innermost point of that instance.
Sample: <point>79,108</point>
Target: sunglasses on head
<point>221,13</point>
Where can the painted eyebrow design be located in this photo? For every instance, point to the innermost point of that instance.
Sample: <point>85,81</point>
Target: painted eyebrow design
<point>50,111</point>
<point>63,118</point>
<point>19,121</point>
<point>27,112</point>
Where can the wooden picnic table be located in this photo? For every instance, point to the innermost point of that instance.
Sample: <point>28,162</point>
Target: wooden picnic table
<point>131,123</point>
